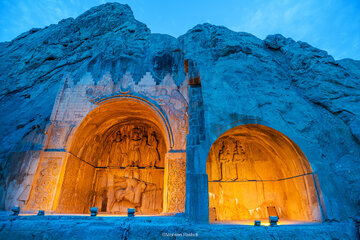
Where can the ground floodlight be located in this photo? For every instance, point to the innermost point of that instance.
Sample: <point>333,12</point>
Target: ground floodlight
<point>94,211</point>
<point>131,212</point>
<point>15,210</point>
<point>273,216</point>
<point>273,221</point>
<point>41,213</point>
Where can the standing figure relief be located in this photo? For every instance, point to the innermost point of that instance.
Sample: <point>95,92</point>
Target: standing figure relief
<point>137,141</point>
<point>118,151</point>
<point>232,161</point>
<point>152,154</point>
<point>239,159</point>
<point>135,146</point>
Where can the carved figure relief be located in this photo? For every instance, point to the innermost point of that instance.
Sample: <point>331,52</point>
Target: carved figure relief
<point>119,189</point>
<point>134,174</point>
<point>136,146</point>
<point>228,161</point>
<point>137,141</point>
<point>152,151</point>
<point>227,166</point>
<point>119,150</point>
<point>130,190</point>
<point>239,158</point>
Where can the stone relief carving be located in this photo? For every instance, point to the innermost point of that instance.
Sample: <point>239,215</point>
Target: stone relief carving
<point>45,184</point>
<point>106,87</point>
<point>129,189</point>
<point>233,159</point>
<point>239,158</point>
<point>166,94</point>
<point>120,189</point>
<point>176,108</point>
<point>134,172</point>
<point>230,161</point>
<point>136,146</point>
<point>176,183</point>
<point>126,84</point>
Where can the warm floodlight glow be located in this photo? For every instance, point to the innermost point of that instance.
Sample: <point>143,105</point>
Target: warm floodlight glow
<point>273,215</point>
<point>116,162</point>
<point>251,167</point>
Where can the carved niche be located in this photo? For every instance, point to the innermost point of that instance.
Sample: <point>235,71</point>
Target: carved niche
<point>133,158</point>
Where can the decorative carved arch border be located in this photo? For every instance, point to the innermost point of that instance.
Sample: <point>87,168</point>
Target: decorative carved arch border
<point>153,106</point>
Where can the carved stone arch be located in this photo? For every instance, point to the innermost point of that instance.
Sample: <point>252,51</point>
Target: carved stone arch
<point>252,167</point>
<point>151,105</point>
<point>147,103</point>
<point>81,136</point>
<point>97,175</point>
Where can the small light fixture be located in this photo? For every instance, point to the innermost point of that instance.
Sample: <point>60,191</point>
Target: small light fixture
<point>15,210</point>
<point>273,221</point>
<point>257,223</point>
<point>41,213</point>
<point>273,216</point>
<point>93,211</point>
<point>131,212</point>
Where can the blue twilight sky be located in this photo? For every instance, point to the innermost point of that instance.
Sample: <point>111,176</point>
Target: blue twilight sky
<point>331,25</point>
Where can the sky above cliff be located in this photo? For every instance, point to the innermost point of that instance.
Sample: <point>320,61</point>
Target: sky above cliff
<point>331,25</point>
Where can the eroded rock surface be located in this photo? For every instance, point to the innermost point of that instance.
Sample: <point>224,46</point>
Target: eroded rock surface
<point>287,85</point>
<point>291,86</point>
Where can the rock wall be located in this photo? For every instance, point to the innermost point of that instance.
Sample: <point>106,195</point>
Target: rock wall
<point>290,86</point>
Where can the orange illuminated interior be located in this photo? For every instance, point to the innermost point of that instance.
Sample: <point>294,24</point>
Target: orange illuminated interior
<point>252,167</point>
<point>99,174</point>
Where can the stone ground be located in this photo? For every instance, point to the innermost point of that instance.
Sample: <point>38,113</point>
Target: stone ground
<point>145,227</point>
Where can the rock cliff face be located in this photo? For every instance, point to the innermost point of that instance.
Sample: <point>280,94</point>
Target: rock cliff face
<point>290,86</point>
